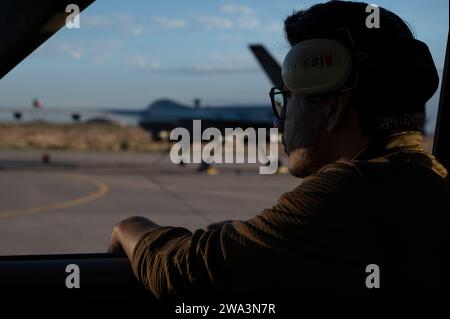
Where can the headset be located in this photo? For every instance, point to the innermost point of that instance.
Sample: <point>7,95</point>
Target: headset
<point>331,62</point>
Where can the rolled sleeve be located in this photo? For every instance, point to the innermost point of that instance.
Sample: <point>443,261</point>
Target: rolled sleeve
<point>172,261</point>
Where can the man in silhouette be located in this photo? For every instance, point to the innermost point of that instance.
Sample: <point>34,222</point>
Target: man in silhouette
<point>370,198</point>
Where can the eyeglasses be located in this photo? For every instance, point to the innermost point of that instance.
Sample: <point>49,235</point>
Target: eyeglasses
<point>278,97</point>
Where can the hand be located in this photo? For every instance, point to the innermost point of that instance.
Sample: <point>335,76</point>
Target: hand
<point>114,245</point>
<point>127,234</point>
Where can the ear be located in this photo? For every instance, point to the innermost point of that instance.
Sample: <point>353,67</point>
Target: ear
<point>338,105</point>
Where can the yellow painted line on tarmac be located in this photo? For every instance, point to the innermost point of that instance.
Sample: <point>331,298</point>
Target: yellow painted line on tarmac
<point>222,193</point>
<point>134,184</point>
<point>102,190</point>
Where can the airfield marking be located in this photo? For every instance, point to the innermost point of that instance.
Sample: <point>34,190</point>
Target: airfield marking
<point>134,183</point>
<point>201,191</point>
<point>102,190</point>
<point>223,193</point>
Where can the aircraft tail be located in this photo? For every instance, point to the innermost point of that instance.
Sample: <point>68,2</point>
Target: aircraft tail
<point>268,63</point>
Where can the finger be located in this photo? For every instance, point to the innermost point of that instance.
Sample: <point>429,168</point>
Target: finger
<point>114,245</point>
<point>114,248</point>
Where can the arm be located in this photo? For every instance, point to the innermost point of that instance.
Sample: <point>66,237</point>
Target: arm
<point>128,233</point>
<point>149,246</point>
<point>239,257</point>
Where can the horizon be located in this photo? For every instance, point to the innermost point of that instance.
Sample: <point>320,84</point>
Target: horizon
<point>128,56</point>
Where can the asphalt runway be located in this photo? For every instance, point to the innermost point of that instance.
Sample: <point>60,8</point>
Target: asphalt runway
<point>71,204</point>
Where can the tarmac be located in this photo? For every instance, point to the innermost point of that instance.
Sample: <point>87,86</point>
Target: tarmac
<point>71,203</point>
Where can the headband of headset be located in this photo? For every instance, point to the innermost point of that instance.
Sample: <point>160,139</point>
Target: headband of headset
<point>331,62</point>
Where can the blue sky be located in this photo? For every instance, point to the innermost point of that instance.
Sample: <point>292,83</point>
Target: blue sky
<point>129,53</point>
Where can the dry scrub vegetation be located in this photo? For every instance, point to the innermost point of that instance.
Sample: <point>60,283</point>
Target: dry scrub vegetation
<point>97,137</point>
<point>92,137</point>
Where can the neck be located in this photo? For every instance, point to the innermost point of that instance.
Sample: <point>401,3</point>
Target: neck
<point>349,146</point>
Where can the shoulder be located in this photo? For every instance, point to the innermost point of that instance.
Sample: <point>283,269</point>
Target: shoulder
<point>413,163</point>
<point>331,176</point>
<point>339,168</point>
<point>331,184</point>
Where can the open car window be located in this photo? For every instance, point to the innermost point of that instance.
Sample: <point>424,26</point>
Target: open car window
<point>103,117</point>
<point>86,120</point>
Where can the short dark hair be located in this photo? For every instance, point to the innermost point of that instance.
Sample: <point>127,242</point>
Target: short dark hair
<point>382,112</point>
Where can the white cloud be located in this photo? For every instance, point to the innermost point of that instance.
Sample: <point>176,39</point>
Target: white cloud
<point>122,22</point>
<point>214,22</point>
<point>64,49</point>
<point>97,22</point>
<point>230,57</point>
<point>217,69</point>
<point>223,62</point>
<point>143,63</point>
<point>93,51</point>
<point>216,63</point>
<point>243,16</point>
<point>274,27</point>
<point>249,22</point>
<point>233,8</point>
<point>74,53</point>
<point>127,24</point>
<point>168,23</point>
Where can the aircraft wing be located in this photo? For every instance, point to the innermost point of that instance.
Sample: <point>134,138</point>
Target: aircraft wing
<point>124,112</point>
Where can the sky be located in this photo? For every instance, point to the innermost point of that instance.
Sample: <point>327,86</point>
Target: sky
<point>127,54</point>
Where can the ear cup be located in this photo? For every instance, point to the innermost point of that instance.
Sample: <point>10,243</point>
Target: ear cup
<point>316,66</point>
<point>328,62</point>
